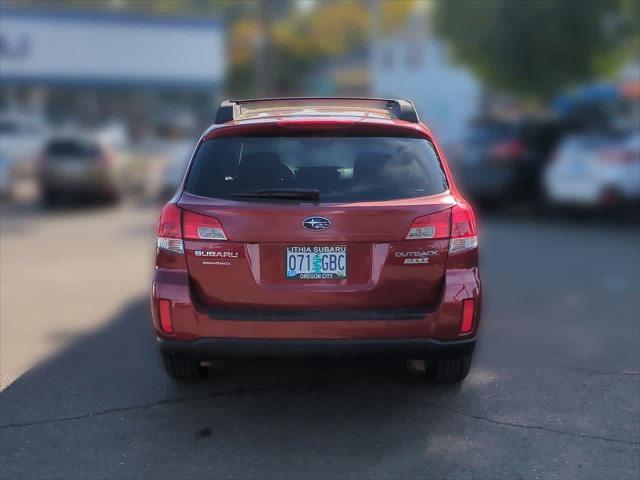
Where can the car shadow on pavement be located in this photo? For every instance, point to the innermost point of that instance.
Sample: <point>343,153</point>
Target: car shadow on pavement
<point>102,407</point>
<point>118,366</point>
<point>104,390</point>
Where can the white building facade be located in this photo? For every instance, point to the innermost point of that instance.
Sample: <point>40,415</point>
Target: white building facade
<point>94,65</point>
<point>413,64</point>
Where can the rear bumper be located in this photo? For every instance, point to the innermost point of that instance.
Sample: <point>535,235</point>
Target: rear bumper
<point>375,330</point>
<point>573,192</point>
<point>88,187</point>
<point>210,348</point>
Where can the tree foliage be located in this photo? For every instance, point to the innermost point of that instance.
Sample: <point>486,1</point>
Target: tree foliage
<point>537,47</point>
<point>292,39</point>
<point>299,39</point>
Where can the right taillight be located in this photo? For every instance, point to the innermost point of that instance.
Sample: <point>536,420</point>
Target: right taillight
<point>463,229</point>
<point>432,227</point>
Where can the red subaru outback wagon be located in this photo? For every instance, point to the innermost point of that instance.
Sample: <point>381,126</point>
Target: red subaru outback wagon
<point>316,226</point>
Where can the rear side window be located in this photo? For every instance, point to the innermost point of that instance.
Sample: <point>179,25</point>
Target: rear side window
<point>490,133</point>
<point>72,148</point>
<point>342,169</point>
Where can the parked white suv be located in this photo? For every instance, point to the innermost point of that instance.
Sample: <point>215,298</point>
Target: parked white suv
<point>594,170</point>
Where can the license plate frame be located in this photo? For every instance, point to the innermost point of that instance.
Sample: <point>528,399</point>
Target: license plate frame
<point>315,263</point>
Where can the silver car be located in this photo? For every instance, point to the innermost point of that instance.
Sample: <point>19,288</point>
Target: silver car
<point>79,166</point>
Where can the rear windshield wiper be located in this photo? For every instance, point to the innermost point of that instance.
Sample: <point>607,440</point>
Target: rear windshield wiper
<point>310,194</point>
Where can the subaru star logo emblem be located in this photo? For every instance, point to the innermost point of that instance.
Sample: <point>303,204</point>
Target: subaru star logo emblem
<point>316,223</point>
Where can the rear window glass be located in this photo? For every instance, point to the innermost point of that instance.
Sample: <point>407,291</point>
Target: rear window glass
<point>342,169</point>
<point>72,148</point>
<point>489,133</point>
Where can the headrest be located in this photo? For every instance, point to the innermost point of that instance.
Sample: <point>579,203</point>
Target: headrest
<point>368,165</point>
<point>261,160</point>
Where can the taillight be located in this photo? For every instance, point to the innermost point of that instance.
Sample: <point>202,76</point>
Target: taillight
<point>164,312</point>
<point>463,229</point>
<point>200,227</point>
<point>176,225</point>
<point>508,150</point>
<point>619,156</point>
<point>107,158</point>
<point>466,324</point>
<point>170,230</point>
<point>40,160</point>
<point>434,226</point>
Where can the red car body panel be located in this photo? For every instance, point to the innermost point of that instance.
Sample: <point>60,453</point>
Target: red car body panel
<point>248,297</point>
<point>442,323</point>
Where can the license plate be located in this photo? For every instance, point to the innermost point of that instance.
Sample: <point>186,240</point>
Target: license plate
<point>71,167</point>
<point>577,168</point>
<point>316,262</point>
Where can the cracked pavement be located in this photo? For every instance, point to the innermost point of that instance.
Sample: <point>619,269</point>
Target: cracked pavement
<point>554,391</point>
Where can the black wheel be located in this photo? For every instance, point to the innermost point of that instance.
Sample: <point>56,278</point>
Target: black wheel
<point>111,199</point>
<point>114,195</point>
<point>50,199</point>
<point>448,369</point>
<point>182,369</point>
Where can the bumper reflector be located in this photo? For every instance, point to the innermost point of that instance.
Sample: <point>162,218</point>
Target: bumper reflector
<point>467,316</point>
<point>164,310</point>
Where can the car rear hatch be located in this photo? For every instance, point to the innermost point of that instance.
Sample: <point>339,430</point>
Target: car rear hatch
<point>345,251</point>
<point>72,160</point>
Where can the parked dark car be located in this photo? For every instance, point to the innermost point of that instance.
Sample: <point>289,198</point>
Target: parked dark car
<point>503,160</point>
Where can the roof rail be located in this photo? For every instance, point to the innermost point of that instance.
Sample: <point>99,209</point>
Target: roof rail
<point>235,109</point>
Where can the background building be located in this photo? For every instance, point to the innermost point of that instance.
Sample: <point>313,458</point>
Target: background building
<point>412,63</point>
<point>88,67</point>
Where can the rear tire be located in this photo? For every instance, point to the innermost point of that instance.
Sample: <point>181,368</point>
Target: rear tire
<point>448,369</point>
<point>183,370</point>
<point>50,199</point>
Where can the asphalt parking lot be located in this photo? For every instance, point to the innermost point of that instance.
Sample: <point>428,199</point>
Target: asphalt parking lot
<point>554,391</point>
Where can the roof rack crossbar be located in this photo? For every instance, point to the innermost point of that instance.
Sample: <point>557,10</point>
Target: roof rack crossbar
<point>400,109</point>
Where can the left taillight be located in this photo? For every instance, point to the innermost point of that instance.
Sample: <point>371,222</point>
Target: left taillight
<point>107,159</point>
<point>508,150</point>
<point>170,229</point>
<point>201,227</point>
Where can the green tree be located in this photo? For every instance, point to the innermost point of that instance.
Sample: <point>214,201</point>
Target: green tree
<point>271,44</point>
<point>273,47</point>
<point>536,48</point>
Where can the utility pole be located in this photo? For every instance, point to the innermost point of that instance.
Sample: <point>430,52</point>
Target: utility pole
<point>374,40</point>
<point>264,60</point>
